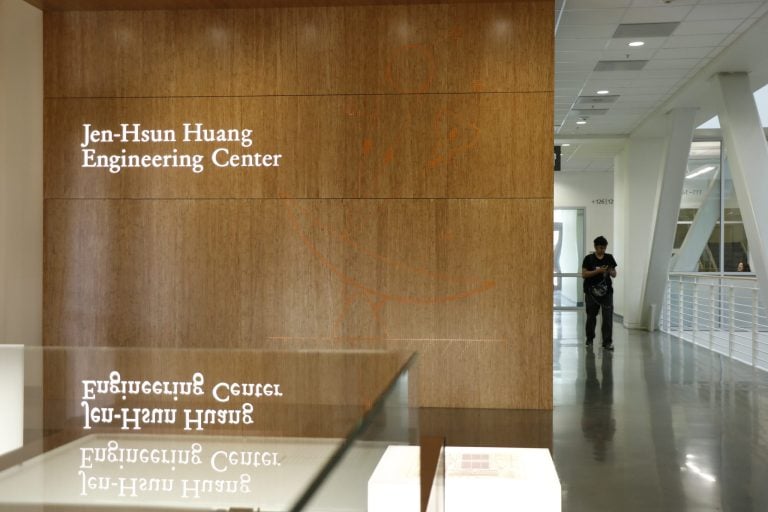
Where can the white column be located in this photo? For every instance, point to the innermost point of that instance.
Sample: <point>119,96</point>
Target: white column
<point>748,160</point>
<point>681,123</point>
<point>620,174</point>
<point>638,168</point>
<point>21,172</point>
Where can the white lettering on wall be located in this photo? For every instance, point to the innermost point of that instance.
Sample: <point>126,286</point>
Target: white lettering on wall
<point>97,153</point>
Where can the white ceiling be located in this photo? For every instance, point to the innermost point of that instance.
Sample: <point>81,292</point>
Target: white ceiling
<point>584,36</point>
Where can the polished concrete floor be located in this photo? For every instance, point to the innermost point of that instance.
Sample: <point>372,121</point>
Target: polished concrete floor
<point>658,425</point>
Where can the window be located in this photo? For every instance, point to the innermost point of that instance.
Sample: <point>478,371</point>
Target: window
<point>710,235</point>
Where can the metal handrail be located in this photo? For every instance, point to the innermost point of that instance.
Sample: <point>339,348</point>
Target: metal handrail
<point>721,312</point>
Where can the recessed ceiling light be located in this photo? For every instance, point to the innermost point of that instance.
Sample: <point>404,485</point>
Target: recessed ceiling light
<point>565,145</point>
<point>636,43</point>
<point>604,91</point>
<point>581,121</point>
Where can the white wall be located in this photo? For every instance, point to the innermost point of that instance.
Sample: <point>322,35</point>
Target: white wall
<point>585,190</point>
<point>21,173</point>
<point>592,191</point>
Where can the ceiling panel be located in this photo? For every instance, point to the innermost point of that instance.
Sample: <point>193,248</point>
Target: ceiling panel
<point>650,86</point>
<point>655,3</point>
<point>710,2</point>
<point>760,12</point>
<point>593,4</point>
<point>628,54</point>
<point>672,63</point>
<point>666,73</point>
<point>571,75</point>
<point>591,16</point>
<point>693,41</point>
<point>723,11</point>
<point>585,31</point>
<point>656,14</point>
<point>682,53</point>
<point>730,39</point>
<point>573,45</point>
<point>689,28</point>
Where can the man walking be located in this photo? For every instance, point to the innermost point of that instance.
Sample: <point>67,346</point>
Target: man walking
<point>597,269</point>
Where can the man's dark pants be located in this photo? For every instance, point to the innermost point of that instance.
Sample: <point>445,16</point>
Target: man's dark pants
<point>594,306</point>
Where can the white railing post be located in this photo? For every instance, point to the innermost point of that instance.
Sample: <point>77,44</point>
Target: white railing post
<point>731,322</point>
<point>680,304</point>
<point>712,289</point>
<point>695,328</point>
<point>667,309</point>
<point>755,338</point>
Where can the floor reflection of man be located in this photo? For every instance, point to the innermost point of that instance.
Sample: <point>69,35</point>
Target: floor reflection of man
<point>597,421</point>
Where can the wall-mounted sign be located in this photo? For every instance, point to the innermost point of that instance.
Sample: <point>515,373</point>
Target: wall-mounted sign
<point>188,134</point>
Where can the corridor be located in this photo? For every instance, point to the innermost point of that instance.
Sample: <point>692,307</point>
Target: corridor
<point>658,425</point>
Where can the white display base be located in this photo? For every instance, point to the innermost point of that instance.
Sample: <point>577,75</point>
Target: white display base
<point>395,483</point>
<point>11,397</point>
<point>487,479</point>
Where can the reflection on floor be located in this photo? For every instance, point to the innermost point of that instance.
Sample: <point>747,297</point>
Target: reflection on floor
<point>561,300</point>
<point>659,425</point>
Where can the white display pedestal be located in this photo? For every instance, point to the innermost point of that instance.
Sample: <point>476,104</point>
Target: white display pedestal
<point>11,397</point>
<point>487,479</point>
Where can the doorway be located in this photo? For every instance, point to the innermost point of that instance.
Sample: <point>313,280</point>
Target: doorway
<point>568,250</point>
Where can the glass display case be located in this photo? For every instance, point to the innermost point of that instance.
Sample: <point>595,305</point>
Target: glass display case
<point>108,429</point>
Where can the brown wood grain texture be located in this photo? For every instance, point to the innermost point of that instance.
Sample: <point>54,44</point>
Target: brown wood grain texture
<point>440,48</point>
<point>488,427</point>
<point>143,5</point>
<point>479,145</point>
<point>414,189</point>
<point>442,277</point>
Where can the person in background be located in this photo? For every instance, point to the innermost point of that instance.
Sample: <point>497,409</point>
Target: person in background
<point>597,269</point>
<point>742,267</point>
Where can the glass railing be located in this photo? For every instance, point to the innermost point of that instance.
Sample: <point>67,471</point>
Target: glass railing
<point>102,429</point>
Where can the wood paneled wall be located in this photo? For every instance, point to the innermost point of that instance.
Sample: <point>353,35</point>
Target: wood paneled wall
<point>412,207</point>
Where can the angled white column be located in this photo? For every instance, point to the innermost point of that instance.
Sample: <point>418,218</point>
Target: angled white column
<point>687,258</point>
<point>748,157</point>
<point>681,123</point>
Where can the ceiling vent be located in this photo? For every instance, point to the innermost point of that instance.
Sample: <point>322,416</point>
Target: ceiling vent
<point>633,30</point>
<point>620,65</point>
<point>596,100</point>
<point>586,112</point>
